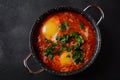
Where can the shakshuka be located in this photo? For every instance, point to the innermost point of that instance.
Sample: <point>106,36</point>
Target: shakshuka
<point>66,41</point>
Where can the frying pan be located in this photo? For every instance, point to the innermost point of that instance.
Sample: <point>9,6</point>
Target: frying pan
<point>33,38</point>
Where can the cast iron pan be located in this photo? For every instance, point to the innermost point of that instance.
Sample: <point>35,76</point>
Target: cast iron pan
<point>33,38</point>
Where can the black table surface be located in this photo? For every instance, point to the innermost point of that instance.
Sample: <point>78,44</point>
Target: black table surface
<point>16,20</point>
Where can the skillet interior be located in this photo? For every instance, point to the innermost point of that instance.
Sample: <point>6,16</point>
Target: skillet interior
<point>34,34</point>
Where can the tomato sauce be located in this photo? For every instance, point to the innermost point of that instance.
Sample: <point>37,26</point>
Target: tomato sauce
<point>88,33</point>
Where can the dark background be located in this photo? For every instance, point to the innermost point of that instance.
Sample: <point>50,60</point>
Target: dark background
<point>16,20</point>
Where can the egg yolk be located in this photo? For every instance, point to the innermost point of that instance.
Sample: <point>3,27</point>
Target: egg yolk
<point>66,58</point>
<point>50,28</point>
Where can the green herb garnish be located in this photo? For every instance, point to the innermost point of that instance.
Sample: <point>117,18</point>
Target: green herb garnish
<point>77,51</point>
<point>49,52</point>
<point>73,34</point>
<point>51,56</point>
<point>79,39</point>
<point>63,39</point>
<point>64,26</point>
<point>77,56</point>
<point>82,26</point>
<point>54,45</point>
<point>68,56</point>
<point>70,48</point>
<point>64,48</point>
<point>60,50</point>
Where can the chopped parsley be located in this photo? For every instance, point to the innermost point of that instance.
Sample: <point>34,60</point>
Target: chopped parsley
<point>64,26</point>
<point>49,52</point>
<point>78,57</point>
<point>77,51</point>
<point>60,51</point>
<point>77,37</point>
<point>73,34</point>
<point>82,26</point>
<point>70,48</point>
<point>54,45</point>
<point>63,39</point>
<point>51,56</point>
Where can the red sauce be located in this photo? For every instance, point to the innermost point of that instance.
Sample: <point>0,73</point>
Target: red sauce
<point>88,33</point>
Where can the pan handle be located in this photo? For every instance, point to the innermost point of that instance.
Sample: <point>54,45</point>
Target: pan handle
<point>97,7</point>
<point>26,65</point>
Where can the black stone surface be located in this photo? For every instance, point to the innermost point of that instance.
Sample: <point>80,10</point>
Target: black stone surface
<point>16,20</point>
